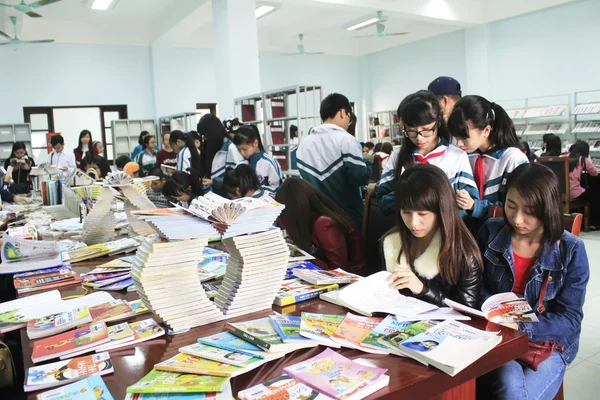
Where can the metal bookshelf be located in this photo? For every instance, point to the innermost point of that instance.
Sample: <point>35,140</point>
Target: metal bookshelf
<point>586,119</point>
<point>125,134</point>
<point>11,133</point>
<point>384,126</point>
<point>185,122</point>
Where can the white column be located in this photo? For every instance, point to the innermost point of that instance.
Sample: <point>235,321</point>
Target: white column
<point>477,62</point>
<point>235,44</point>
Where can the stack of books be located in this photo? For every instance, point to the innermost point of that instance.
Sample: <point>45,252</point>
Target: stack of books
<point>255,271</point>
<point>123,245</point>
<point>166,279</point>
<point>100,223</point>
<point>177,226</point>
<point>294,291</point>
<point>45,279</point>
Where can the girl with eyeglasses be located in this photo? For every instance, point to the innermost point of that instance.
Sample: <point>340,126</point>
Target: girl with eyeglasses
<point>487,134</point>
<point>426,141</point>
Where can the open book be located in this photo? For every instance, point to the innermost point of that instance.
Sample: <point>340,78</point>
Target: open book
<point>20,255</point>
<point>501,308</point>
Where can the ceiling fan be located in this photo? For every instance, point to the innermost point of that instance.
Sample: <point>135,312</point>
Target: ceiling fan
<point>16,40</point>
<point>28,8</point>
<point>380,32</point>
<point>301,51</point>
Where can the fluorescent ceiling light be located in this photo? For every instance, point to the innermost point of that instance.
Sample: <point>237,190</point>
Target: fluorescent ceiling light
<point>261,11</point>
<point>368,22</point>
<point>101,5</point>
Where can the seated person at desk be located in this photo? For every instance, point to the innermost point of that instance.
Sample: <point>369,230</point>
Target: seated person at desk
<point>8,197</point>
<point>522,252</point>
<point>242,182</point>
<point>121,161</point>
<point>430,252</point>
<point>18,166</point>
<point>317,225</point>
<point>60,157</point>
<point>155,194</point>
<point>183,187</point>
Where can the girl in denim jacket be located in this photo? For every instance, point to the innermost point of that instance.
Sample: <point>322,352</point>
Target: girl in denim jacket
<point>518,251</point>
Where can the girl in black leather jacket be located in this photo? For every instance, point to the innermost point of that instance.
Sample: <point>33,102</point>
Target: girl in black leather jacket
<point>430,252</point>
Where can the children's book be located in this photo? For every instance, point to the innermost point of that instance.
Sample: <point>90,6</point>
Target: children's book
<point>54,324</point>
<point>189,364</point>
<point>77,340</point>
<point>336,376</point>
<point>124,284</point>
<point>172,382</point>
<point>92,388</point>
<point>226,394</point>
<point>59,373</point>
<point>261,333</point>
<point>299,265</point>
<point>116,310</point>
<point>501,308</point>
<point>294,291</point>
<point>393,340</point>
<point>46,279</point>
<point>450,346</point>
<point>138,307</point>
<point>117,334</point>
<point>15,314</point>
<point>212,288</point>
<point>287,327</point>
<point>297,254</point>
<point>282,387</point>
<point>326,277</point>
<point>388,326</point>
<point>319,327</point>
<point>143,331</point>
<point>86,253</point>
<point>20,255</point>
<point>230,342</point>
<point>353,330</point>
<point>220,355</point>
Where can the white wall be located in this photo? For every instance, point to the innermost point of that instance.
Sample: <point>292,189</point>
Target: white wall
<point>69,74</point>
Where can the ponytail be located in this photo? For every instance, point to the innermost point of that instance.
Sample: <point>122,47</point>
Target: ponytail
<point>190,139</point>
<point>247,134</point>
<point>213,133</point>
<point>243,177</point>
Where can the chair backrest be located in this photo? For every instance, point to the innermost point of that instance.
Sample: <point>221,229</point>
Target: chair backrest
<point>560,166</point>
<point>495,211</point>
<point>572,223</point>
<point>376,169</point>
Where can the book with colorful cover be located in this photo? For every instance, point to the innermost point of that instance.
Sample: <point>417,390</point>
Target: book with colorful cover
<point>103,276</point>
<point>117,334</point>
<point>294,291</point>
<point>107,282</point>
<point>259,332</point>
<point>59,373</point>
<point>86,253</point>
<point>92,388</point>
<point>16,314</point>
<point>394,340</point>
<point>73,341</point>
<point>138,307</point>
<point>220,355</point>
<point>212,267</point>
<point>113,311</point>
<point>124,284</point>
<point>226,394</point>
<point>50,276</point>
<point>299,265</point>
<point>388,326</point>
<point>287,327</point>
<point>172,382</point>
<point>228,341</point>
<point>189,364</point>
<point>334,375</point>
<point>282,387</point>
<point>117,263</point>
<point>319,327</point>
<point>326,277</point>
<point>501,308</point>
<point>354,329</point>
<point>212,288</point>
<point>54,324</point>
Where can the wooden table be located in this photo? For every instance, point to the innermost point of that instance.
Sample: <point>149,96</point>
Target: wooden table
<point>408,379</point>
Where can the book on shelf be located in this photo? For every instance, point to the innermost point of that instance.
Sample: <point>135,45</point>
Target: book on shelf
<point>319,327</point>
<point>67,343</point>
<point>354,329</point>
<point>297,254</point>
<point>20,255</point>
<point>450,346</point>
<point>261,333</point>
<point>223,356</point>
<point>337,376</point>
<point>373,294</point>
<point>230,342</point>
<point>172,382</point>
<point>294,291</point>
<point>87,253</point>
<point>116,310</point>
<point>143,331</point>
<point>46,279</point>
<point>189,364</point>
<point>501,308</point>
<point>92,388</point>
<point>56,323</point>
<point>59,373</point>
<point>289,274</point>
<point>326,277</point>
<point>226,394</point>
<point>287,327</point>
<point>282,387</point>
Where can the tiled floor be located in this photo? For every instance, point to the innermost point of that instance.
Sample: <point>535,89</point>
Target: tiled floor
<point>581,380</point>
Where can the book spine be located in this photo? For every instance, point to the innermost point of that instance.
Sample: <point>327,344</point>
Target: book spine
<point>248,337</point>
<point>284,301</point>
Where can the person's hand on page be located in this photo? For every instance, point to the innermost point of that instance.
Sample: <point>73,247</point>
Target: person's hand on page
<point>405,279</point>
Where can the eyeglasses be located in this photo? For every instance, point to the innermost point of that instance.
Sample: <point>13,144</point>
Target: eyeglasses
<point>425,132</point>
<point>349,114</point>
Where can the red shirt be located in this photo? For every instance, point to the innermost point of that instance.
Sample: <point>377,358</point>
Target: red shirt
<point>522,271</point>
<point>166,157</point>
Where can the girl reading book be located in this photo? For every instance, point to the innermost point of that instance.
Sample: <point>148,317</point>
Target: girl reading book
<point>242,182</point>
<point>430,252</point>
<point>183,187</point>
<point>522,252</point>
<point>248,142</point>
<point>18,166</point>
<point>317,225</point>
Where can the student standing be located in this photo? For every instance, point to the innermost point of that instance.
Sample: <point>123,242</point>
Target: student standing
<point>487,134</point>
<point>140,146</point>
<point>319,226</point>
<point>247,139</point>
<point>331,159</point>
<point>448,92</point>
<point>146,158</point>
<point>18,166</point>
<point>430,252</point>
<point>425,142</point>
<point>186,158</point>
<point>84,148</point>
<point>216,143</point>
<point>59,157</point>
<point>242,182</point>
<point>523,252</point>
<point>166,155</point>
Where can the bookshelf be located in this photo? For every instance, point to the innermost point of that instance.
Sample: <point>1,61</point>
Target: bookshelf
<point>185,122</point>
<point>383,126</point>
<point>11,133</point>
<point>586,119</point>
<point>125,134</point>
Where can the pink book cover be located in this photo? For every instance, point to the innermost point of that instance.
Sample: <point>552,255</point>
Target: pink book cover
<point>333,374</point>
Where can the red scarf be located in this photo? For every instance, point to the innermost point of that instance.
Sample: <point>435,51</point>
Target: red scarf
<point>479,176</point>
<point>425,159</point>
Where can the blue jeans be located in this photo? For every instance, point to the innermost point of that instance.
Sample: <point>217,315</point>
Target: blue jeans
<point>514,381</point>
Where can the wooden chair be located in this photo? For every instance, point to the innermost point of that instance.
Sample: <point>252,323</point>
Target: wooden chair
<point>560,166</point>
<point>571,222</point>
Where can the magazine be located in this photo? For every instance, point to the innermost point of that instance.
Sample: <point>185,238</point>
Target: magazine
<point>501,308</point>
<point>92,388</point>
<point>172,382</point>
<point>282,387</point>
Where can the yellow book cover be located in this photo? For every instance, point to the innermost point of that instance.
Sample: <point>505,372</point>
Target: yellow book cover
<point>188,364</point>
<point>85,253</point>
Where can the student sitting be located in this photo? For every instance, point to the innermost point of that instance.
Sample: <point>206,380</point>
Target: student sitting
<point>132,169</point>
<point>487,134</point>
<point>183,187</point>
<point>84,148</point>
<point>121,161</point>
<point>61,158</point>
<point>524,147</point>
<point>317,225</point>
<point>89,165</point>
<point>18,166</point>
<point>248,142</point>
<point>430,252</point>
<point>384,153</point>
<point>155,194</point>
<point>578,160</point>
<point>242,182</point>
<point>520,252</point>
<point>426,141</point>
<point>8,197</point>
<point>553,146</point>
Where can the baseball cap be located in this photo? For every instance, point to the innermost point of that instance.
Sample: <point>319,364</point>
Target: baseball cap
<point>445,85</point>
<point>131,168</point>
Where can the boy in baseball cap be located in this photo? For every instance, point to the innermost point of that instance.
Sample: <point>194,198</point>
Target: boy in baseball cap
<point>448,92</point>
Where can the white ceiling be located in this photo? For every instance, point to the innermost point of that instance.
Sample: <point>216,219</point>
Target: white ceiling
<point>188,22</point>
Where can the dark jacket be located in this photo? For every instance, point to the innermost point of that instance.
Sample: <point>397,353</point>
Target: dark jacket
<point>79,154</point>
<point>435,288</point>
<point>331,249</point>
<point>567,264</point>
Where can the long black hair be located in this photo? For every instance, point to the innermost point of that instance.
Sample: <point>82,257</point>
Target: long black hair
<point>16,146</point>
<point>190,139</point>
<point>480,112</point>
<point>183,182</point>
<point>247,134</point>
<point>213,132</point>
<point>243,177</point>
<point>418,109</point>
<point>553,146</point>
<point>82,134</point>
<point>579,152</point>
<point>141,137</point>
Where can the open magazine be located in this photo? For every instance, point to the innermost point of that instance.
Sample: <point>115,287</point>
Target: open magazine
<point>501,308</point>
<point>20,255</point>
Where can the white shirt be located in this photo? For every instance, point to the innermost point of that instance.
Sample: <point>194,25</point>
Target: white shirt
<point>65,158</point>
